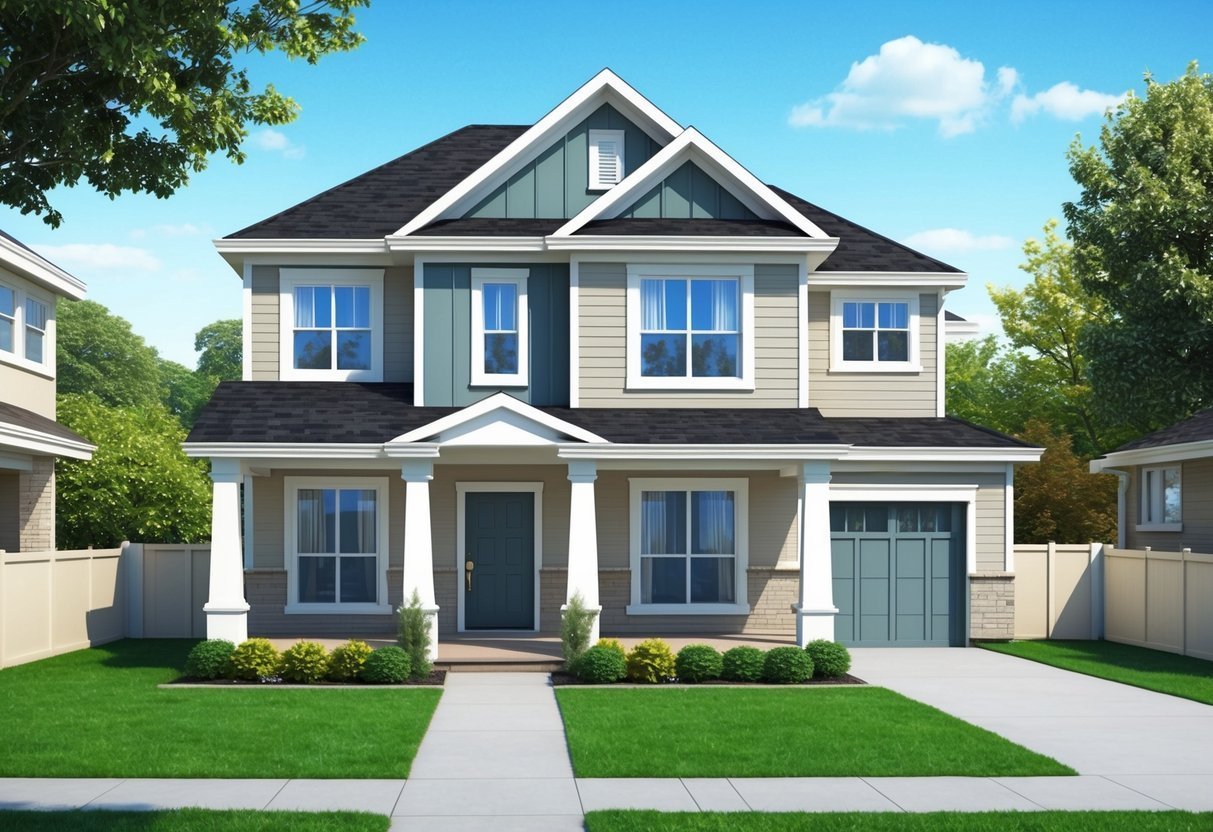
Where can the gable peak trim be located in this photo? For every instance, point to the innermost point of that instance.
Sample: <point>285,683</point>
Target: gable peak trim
<point>486,406</point>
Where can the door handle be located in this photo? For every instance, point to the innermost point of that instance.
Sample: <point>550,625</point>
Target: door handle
<point>468,566</point>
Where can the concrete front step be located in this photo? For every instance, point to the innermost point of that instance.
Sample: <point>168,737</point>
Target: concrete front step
<point>498,666</point>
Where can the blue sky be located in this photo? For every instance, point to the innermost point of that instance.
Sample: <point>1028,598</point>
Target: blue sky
<point>944,125</point>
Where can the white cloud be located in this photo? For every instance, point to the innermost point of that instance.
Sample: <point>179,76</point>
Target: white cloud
<point>101,256</point>
<point>1064,101</point>
<point>909,79</point>
<point>275,141</point>
<point>953,240</point>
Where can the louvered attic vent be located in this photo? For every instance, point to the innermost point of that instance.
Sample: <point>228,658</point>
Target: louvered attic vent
<point>606,159</point>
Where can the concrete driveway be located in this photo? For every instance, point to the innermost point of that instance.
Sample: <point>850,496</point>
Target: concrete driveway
<point>1095,726</point>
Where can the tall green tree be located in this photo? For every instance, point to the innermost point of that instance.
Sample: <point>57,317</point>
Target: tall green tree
<point>221,348</point>
<point>998,387</point>
<point>184,391</point>
<point>135,95</point>
<point>99,354</point>
<point>1143,243</point>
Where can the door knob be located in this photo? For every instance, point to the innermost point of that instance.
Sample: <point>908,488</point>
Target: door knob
<point>468,566</point>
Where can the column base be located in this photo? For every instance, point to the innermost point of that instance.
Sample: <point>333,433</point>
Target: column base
<point>228,622</point>
<point>595,628</point>
<point>813,624</point>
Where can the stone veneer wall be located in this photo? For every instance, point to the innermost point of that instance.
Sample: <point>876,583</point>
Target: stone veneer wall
<point>992,605</point>
<point>36,506</point>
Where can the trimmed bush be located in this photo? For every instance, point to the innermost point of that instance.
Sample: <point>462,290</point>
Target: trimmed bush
<point>787,666</point>
<point>742,664</point>
<point>414,636</point>
<point>209,659</point>
<point>255,659</point>
<point>651,661</point>
<point>613,644</point>
<point>346,661</point>
<point>386,666</point>
<point>305,663</point>
<point>830,659</point>
<point>601,665</point>
<point>698,663</point>
<point>575,628</point>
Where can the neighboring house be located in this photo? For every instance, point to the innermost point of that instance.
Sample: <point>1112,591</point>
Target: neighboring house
<point>30,438</point>
<point>957,328</point>
<point>596,356</point>
<point>1166,487</point>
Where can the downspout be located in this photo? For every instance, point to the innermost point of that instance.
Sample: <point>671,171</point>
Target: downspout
<point>1122,490</point>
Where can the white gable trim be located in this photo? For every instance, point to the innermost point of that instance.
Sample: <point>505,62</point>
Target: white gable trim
<point>37,268</point>
<point>605,87</point>
<point>694,146</point>
<point>469,420</point>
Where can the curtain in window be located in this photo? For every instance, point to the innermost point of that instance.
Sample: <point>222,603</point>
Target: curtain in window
<point>663,523</point>
<point>652,305</point>
<point>316,531</point>
<point>713,580</point>
<point>358,521</point>
<point>712,523</point>
<point>724,305</point>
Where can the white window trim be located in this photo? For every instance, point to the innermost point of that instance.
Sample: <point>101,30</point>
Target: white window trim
<point>288,279</point>
<point>838,365</point>
<point>1143,497</point>
<point>291,486</point>
<point>741,490</point>
<point>596,136</point>
<point>17,357</point>
<point>522,317</point>
<point>744,274</point>
<point>461,491</point>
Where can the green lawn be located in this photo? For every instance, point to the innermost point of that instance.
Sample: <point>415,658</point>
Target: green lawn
<point>765,732</point>
<point>633,821</point>
<point>194,820</point>
<point>1150,669</point>
<point>98,713</point>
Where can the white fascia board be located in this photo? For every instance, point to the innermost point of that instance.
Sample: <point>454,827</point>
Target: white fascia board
<point>693,145</point>
<point>1008,454</point>
<point>302,245</point>
<point>460,243</point>
<point>933,280</point>
<point>16,437</point>
<point>286,450</point>
<point>628,242</point>
<point>40,270</point>
<point>604,87</point>
<point>784,453</point>
<point>1158,453</point>
<point>495,402</point>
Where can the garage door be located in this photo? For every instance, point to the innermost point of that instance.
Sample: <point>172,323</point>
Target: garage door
<point>898,573</point>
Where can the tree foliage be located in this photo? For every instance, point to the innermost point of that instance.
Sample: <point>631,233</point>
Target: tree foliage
<point>98,354</point>
<point>135,95</point>
<point>184,391</point>
<point>1143,244</point>
<point>221,348</point>
<point>139,485</point>
<point>1058,498</point>
<point>997,387</point>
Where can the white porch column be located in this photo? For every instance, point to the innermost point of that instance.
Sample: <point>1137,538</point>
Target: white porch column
<point>418,542</point>
<point>226,610</point>
<point>815,612</point>
<point>583,540</point>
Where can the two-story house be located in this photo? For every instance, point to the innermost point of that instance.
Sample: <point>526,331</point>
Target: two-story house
<point>30,438</point>
<point>596,356</point>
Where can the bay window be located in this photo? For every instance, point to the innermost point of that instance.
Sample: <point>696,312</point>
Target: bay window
<point>331,324</point>
<point>1161,499</point>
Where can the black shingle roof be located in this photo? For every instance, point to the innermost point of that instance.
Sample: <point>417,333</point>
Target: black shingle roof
<point>344,412</point>
<point>10,414</point>
<point>1196,428</point>
<point>645,226</point>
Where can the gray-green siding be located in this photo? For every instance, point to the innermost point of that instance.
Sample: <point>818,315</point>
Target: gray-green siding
<point>556,184</point>
<point>448,336</point>
<point>689,193</point>
<point>1196,510</point>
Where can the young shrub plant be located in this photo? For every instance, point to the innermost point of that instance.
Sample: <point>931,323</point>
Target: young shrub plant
<point>787,666</point>
<point>742,664</point>
<point>830,659</point>
<point>414,637</point>
<point>575,629</point>
<point>698,663</point>
<point>601,665</point>
<point>256,660</point>
<point>346,661</point>
<point>613,644</point>
<point>386,666</point>
<point>305,663</point>
<point>651,661</point>
<point>209,659</point>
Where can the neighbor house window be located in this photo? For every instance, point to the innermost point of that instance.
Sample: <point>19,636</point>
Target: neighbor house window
<point>338,555</point>
<point>875,334</point>
<point>1161,498</point>
<point>605,159</point>
<point>24,326</point>
<point>8,319</point>
<point>499,327</point>
<point>332,324</point>
<point>689,539</point>
<point>35,331</point>
<point>690,327</point>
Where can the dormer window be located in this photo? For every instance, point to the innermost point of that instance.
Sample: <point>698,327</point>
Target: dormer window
<point>606,159</point>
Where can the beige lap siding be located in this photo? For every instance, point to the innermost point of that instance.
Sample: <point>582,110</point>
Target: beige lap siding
<point>871,394</point>
<point>602,319</point>
<point>1196,509</point>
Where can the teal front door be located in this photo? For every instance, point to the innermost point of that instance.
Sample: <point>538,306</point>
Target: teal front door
<point>499,588</point>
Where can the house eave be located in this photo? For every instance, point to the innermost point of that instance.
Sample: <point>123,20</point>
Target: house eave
<point>1157,453</point>
<point>40,270</point>
<point>832,280</point>
<point>25,440</point>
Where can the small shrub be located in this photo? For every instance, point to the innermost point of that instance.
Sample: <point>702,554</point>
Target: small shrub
<point>414,636</point>
<point>575,630</point>
<point>346,661</point>
<point>787,666</point>
<point>613,644</point>
<point>698,663</point>
<point>306,663</point>
<point>386,666</point>
<point>830,659</point>
<point>601,665</point>
<point>255,659</point>
<point>209,659</point>
<point>742,664</point>
<point>651,661</point>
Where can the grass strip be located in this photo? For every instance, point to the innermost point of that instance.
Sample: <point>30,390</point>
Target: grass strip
<point>644,821</point>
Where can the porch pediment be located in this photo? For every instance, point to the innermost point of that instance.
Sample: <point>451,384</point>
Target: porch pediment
<point>499,420</point>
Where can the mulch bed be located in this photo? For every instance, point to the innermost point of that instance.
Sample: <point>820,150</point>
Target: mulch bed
<point>562,678</point>
<point>437,678</point>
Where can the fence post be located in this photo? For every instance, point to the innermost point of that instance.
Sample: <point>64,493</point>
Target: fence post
<point>132,562</point>
<point>1095,558</point>
<point>1050,603</point>
<point>1183,600</point>
<point>3,637</point>
<point>1145,597</point>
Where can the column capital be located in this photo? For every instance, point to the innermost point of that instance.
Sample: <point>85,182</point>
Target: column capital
<point>225,469</point>
<point>417,470</point>
<point>814,472</point>
<point>583,470</point>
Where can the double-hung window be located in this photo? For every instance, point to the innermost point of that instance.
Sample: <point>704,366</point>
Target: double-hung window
<point>690,326</point>
<point>1161,499</point>
<point>35,331</point>
<point>25,321</point>
<point>337,557</point>
<point>689,543</point>
<point>8,319</point>
<point>332,324</point>
<point>875,333</point>
<point>500,337</point>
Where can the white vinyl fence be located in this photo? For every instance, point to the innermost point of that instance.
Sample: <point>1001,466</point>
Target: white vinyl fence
<point>1161,600</point>
<point>1058,591</point>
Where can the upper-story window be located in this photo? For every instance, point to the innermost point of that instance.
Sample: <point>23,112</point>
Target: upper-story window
<point>874,333</point>
<point>24,328</point>
<point>35,331</point>
<point>500,337</point>
<point>605,159</point>
<point>332,324</point>
<point>8,319</point>
<point>1161,499</point>
<point>690,326</point>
